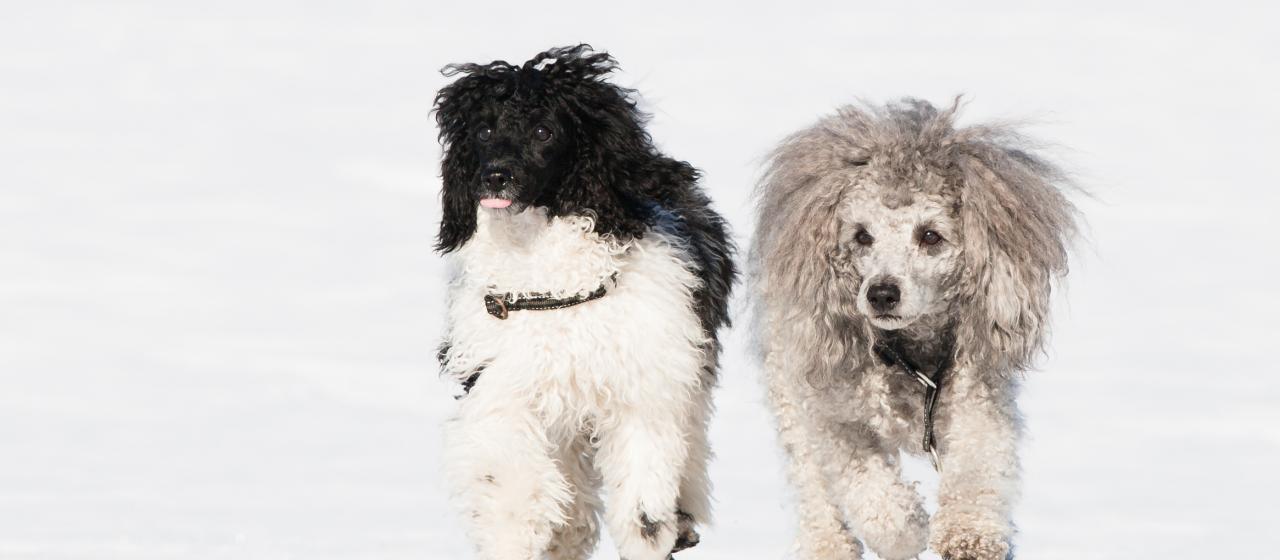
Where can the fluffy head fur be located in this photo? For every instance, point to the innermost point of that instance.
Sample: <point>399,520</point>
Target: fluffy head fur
<point>569,143</point>
<point>572,143</point>
<point>846,205</point>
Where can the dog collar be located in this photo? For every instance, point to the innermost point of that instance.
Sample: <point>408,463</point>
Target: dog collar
<point>501,305</point>
<point>893,356</point>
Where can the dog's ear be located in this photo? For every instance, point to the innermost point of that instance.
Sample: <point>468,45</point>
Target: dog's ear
<point>455,108</point>
<point>805,278</point>
<point>1015,226</point>
<point>616,169</point>
<point>608,177</point>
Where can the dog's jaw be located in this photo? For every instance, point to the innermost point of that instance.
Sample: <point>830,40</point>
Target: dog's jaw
<point>890,322</point>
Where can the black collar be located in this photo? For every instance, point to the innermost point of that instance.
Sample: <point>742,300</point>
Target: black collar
<point>500,305</point>
<point>892,353</point>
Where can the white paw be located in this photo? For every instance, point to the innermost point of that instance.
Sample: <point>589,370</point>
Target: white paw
<point>896,527</point>
<point>970,537</point>
<point>834,546</point>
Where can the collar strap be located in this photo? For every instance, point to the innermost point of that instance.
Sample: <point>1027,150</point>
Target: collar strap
<point>893,356</point>
<point>501,305</point>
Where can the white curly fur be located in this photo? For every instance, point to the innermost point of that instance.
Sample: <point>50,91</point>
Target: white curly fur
<point>610,393</point>
<point>977,300</point>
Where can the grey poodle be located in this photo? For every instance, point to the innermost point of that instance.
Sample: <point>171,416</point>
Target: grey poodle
<point>903,267</point>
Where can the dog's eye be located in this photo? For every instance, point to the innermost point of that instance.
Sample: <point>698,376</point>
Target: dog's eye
<point>542,133</point>
<point>930,237</point>
<point>863,238</point>
<point>484,134</point>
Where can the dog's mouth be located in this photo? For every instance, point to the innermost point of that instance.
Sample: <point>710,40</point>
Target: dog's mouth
<point>890,322</point>
<point>495,202</point>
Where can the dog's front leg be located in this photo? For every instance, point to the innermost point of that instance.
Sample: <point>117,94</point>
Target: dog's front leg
<point>822,533</point>
<point>641,455</point>
<point>694,503</point>
<point>887,513</point>
<point>576,538</point>
<point>978,447</point>
<point>499,463</point>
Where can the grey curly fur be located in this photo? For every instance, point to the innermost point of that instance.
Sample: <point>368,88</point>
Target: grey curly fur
<point>1016,228</point>
<point>843,416</point>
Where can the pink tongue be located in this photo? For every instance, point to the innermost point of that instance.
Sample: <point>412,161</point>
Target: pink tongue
<point>495,202</point>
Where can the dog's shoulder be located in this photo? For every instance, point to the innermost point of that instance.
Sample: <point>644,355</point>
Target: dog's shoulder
<point>703,233</point>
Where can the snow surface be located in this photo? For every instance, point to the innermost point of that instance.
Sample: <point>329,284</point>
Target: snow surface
<point>218,302</point>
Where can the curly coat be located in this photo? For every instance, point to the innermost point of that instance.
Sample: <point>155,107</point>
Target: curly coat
<point>843,414</point>
<point>552,187</point>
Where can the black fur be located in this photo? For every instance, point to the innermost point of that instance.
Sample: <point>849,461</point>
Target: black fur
<point>598,160</point>
<point>649,528</point>
<point>468,382</point>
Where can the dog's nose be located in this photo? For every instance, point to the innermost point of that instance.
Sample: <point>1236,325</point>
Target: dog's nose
<point>884,297</point>
<point>497,180</point>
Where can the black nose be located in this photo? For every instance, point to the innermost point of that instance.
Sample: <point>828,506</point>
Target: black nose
<point>497,180</point>
<point>884,297</point>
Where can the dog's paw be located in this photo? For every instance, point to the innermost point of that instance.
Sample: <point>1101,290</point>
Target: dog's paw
<point>686,535</point>
<point>954,540</point>
<point>895,524</point>
<point>829,546</point>
<point>649,538</point>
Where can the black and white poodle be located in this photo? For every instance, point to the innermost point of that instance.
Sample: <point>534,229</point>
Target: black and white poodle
<point>591,278</point>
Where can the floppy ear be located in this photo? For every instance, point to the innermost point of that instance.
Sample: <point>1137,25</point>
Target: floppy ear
<point>458,204</point>
<point>616,167</point>
<point>455,106</point>
<point>805,279</point>
<point>605,178</point>
<point>1015,227</point>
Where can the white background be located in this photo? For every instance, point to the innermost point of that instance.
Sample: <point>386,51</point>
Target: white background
<point>219,305</point>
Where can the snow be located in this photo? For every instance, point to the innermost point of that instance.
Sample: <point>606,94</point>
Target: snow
<point>219,307</point>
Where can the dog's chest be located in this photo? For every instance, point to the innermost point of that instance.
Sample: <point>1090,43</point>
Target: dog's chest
<point>528,253</point>
<point>880,397</point>
<point>641,333</point>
